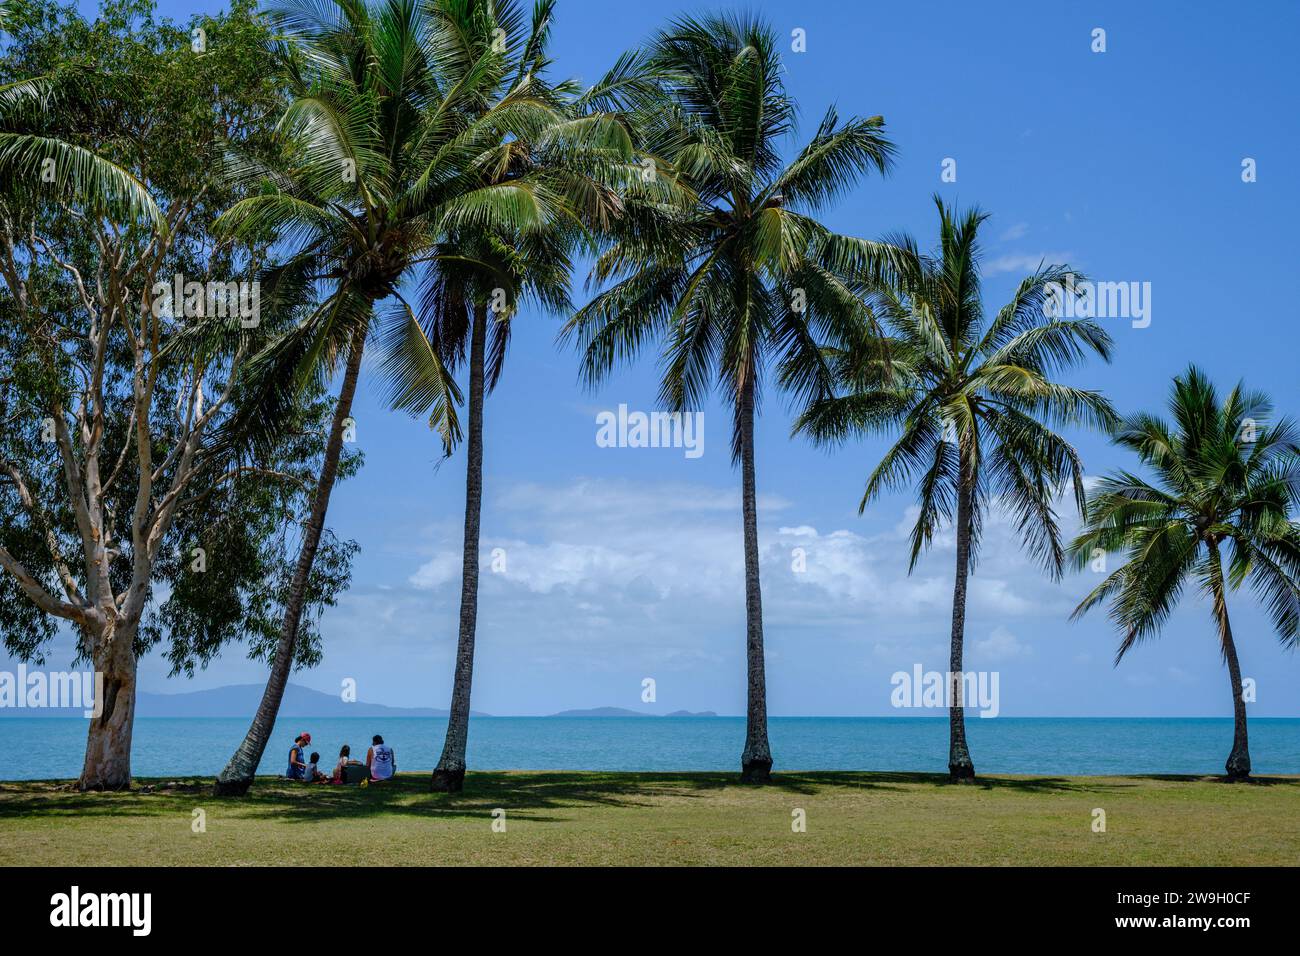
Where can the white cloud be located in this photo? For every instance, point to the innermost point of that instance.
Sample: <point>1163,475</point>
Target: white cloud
<point>1002,645</point>
<point>437,571</point>
<point>995,594</point>
<point>1027,262</point>
<point>666,559</point>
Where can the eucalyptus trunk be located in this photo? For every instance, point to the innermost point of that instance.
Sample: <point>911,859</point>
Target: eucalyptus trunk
<point>107,764</point>
<point>756,760</point>
<point>1238,764</point>
<point>449,775</point>
<point>960,766</point>
<point>237,776</point>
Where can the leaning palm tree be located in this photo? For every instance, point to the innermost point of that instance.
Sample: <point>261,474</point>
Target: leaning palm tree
<point>733,272</point>
<point>974,400</point>
<point>1225,479</point>
<point>383,157</point>
<point>475,282</point>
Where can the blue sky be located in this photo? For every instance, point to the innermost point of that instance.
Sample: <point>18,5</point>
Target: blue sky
<point>626,563</point>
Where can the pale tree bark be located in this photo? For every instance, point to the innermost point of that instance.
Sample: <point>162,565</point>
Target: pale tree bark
<point>756,759</point>
<point>107,764</point>
<point>1237,766</point>
<point>236,777</point>
<point>115,297</point>
<point>960,767</point>
<point>449,775</point>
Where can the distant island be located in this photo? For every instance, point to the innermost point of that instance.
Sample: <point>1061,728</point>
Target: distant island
<point>241,700</point>
<point>624,712</point>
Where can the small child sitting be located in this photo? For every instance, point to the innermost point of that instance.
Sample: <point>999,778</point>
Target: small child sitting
<point>313,774</point>
<point>345,759</point>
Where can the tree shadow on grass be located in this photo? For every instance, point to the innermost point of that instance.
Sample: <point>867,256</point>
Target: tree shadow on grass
<point>1051,784</point>
<point>408,795</point>
<point>526,793</point>
<point>405,795</point>
<point>539,796</point>
<point>1220,778</point>
<point>887,780</point>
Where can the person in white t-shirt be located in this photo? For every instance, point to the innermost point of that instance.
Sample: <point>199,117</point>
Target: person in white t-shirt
<point>380,760</point>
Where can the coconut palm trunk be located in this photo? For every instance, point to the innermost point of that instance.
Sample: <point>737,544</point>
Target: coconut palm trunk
<point>960,766</point>
<point>107,764</point>
<point>449,775</point>
<point>756,761</point>
<point>1223,471</point>
<point>237,776</point>
<point>1238,765</point>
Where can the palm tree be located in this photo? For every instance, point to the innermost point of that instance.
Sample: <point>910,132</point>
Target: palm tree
<point>383,151</point>
<point>731,271</point>
<point>472,286</point>
<point>37,163</point>
<point>1224,480</point>
<point>974,400</point>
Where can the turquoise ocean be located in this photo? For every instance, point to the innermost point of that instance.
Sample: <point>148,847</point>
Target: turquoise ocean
<point>51,747</point>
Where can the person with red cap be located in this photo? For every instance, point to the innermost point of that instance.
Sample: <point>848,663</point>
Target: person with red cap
<point>297,764</point>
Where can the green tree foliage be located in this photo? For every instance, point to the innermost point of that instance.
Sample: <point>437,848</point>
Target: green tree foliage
<point>111,397</point>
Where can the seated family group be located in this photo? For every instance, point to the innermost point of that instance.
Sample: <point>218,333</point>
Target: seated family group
<point>381,763</point>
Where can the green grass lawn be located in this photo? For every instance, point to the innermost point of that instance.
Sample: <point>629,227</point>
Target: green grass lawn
<point>664,818</point>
